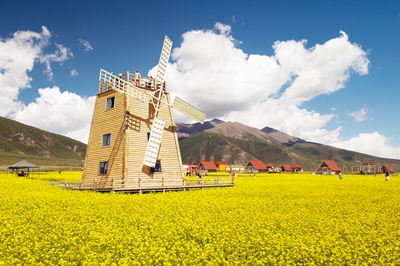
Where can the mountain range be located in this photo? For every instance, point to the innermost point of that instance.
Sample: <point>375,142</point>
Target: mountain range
<point>237,143</point>
<point>215,140</point>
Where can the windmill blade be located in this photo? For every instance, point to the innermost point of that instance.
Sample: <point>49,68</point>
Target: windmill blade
<point>164,57</point>
<point>189,110</point>
<point>154,142</point>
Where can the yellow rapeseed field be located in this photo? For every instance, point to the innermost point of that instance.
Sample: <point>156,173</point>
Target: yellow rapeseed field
<point>277,219</point>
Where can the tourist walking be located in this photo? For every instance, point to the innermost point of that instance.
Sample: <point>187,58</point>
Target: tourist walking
<point>386,175</point>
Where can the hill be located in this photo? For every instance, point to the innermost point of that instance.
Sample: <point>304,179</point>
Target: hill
<point>237,143</point>
<point>22,142</point>
<point>232,142</point>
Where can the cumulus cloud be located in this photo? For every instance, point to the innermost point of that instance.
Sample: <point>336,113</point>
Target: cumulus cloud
<point>360,115</point>
<point>86,44</point>
<point>211,72</point>
<point>18,54</point>
<point>362,143</point>
<point>60,112</point>
<point>17,57</point>
<point>261,90</point>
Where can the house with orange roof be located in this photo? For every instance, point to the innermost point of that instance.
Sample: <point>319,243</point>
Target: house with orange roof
<point>286,168</point>
<point>388,168</point>
<point>221,165</point>
<point>207,166</point>
<point>328,167</point>
<point>256,165</point>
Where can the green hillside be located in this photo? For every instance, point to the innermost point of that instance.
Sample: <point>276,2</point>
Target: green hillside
<point>22,142</point>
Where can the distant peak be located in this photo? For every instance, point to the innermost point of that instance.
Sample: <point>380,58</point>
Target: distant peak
<point>268,130</point>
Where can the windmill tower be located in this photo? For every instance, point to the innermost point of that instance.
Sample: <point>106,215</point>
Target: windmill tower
<point>133,140</point>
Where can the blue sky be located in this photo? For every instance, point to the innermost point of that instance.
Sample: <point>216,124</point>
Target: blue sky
<point>324,71</point>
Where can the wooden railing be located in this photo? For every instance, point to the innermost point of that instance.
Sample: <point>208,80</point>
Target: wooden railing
<point>148,183</point>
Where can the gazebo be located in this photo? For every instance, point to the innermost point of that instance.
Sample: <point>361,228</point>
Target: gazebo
<point>21,166</point>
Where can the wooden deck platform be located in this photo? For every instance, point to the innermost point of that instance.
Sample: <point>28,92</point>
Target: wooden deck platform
<point>154,187</point>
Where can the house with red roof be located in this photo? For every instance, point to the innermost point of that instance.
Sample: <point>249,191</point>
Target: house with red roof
<point>328,167</point>
<point>286,168</point>
<point>388,168</point>
<point>221,165</point>
<point>297,168</point>
<point>207,166</point>
<point>256,165</point>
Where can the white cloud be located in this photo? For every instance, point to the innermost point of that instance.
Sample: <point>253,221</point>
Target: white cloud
<point>59,112</point>
<point>60,55</point>
<point>360,115</point>
<point>212,73</point>
<point>86,44</point>
<point>18,55</point>
<point>362,143</point>
<point>74,73</point>
<point>223,29</point>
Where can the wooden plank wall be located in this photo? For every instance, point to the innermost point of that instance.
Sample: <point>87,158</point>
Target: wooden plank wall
<point>104,122</point>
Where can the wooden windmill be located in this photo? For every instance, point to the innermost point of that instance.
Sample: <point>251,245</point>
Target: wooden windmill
<point>133,140</point>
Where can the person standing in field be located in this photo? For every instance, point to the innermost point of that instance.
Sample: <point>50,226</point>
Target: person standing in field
<point>340,175</point>
<point>386,175</point>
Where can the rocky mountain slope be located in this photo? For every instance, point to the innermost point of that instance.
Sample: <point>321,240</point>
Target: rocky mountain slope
<point>237,143</point>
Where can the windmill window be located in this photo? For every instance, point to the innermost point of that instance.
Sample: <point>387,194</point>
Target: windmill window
<point>106,140</point>
<point>148,136</point>
<point>110,103</point>
<point>157,167</point>
<point>103,168</point>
